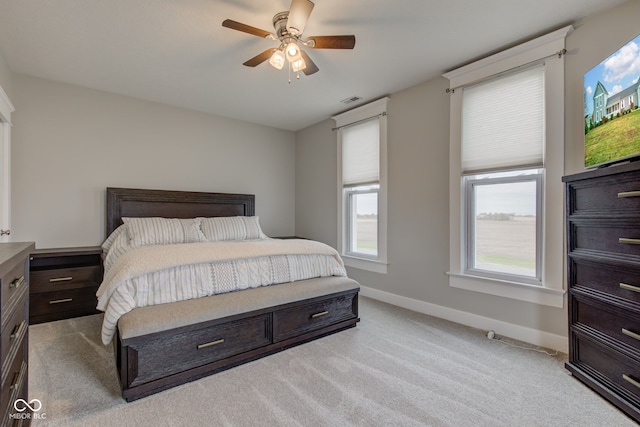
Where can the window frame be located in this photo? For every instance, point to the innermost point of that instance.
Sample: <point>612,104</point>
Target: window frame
<point>470,215</point>
<point>358,260</point>
<point>349,192</point>
<point>549,49</point>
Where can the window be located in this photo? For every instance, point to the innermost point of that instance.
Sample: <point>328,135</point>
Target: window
<point>502,131</point>
<point>506,164</point>
<point>504,225</point>
<point>362,186</point>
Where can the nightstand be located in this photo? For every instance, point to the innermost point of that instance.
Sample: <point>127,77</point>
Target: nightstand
<point>64,282</point>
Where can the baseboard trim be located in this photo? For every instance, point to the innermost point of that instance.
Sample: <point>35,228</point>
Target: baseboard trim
<point>521,333</point>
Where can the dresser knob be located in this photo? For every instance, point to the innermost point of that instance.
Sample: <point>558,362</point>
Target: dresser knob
<point>5,232</point>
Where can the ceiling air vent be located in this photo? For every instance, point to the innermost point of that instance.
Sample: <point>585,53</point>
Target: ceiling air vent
<point>351,99</point>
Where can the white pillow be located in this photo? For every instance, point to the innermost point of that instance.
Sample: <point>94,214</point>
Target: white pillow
<point>231,228</point>
<point>163,231</point>
<point>117,236</point>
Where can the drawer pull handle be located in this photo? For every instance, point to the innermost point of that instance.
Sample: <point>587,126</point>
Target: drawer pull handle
<point>15,382</point>
<point>631,334</point>
<point>322,313</point>
<point>630,380</point>
<point>629,194</point>
<point>17,282</point>
<point>17,331</point>
<point>58,301</point>
<point>210,344</point>
<point>629,287</point>
<point>60,279</point>
<point>629,241</point>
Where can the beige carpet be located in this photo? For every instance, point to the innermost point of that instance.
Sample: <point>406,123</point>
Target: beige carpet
<point>396,368</point>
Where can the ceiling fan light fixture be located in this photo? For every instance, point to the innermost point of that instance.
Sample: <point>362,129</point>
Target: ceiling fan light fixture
<point>293,52</point>
<point>277,59</point>
<point>298,65</point>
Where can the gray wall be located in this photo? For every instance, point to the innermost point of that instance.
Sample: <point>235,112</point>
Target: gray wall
<point>5,76</point>
<point>418,123</point>
<point>70,143</point>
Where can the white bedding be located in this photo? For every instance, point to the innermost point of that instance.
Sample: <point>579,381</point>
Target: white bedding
<point>158,274</point>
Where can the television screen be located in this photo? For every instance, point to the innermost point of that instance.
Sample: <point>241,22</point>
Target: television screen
<point>611,114</point>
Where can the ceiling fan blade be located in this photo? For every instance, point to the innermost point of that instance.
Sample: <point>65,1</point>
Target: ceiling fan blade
<point>299,13</point>
<point>311,66</point>
<point>260,58</point>
<point>331,42</point>
<point>234,25</point>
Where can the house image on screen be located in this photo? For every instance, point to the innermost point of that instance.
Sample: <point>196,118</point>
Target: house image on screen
<point>609,106</point>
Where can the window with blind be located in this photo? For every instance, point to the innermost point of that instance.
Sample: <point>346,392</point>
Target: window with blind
<point>506,160</point>
<point>362,186</point>
<point>502,166</point>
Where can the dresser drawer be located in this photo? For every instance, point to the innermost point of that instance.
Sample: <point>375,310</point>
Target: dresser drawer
<point>618,238</point>
<point>175,352</point>
<point>614,322</point>
<point>305,318</point>
<point>46,303</point>
<point>12,378</point>
<point>13,283</point>
<point>65,278</point>
<point>617,281</point>
<point>14,332</point>
<point>620,195</point>
<point>620,371</point>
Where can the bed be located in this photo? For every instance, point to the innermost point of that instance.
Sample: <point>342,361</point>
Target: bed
<point>161,346</point>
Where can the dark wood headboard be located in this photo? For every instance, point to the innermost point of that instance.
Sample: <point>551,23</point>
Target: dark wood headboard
<point>129,202</point>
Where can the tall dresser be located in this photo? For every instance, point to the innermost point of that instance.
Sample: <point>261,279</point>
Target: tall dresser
<point>14,330</point>
<point>603,263</point>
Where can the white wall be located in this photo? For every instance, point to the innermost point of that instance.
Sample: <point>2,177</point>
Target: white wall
<point>70,143</point>
<point>418,123</point>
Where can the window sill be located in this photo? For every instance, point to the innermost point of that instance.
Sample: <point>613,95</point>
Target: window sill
<point>365,264</point>
<point>513,290</point>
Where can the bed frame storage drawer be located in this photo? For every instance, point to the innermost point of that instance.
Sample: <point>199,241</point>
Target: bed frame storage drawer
<point>187,348</point>
<point>157,361</point>
<point>308,317</point>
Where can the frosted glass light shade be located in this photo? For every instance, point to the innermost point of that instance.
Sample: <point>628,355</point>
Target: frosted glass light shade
<point>277,59</point>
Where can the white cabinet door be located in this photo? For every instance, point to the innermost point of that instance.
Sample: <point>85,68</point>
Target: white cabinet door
<point>6,108</point>
<point>5,177</point>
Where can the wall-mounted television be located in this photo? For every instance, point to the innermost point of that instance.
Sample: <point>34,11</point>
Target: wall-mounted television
<point>611,113</point>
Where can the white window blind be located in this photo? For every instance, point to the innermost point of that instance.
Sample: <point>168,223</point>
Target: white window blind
<point>361,153</point>
<point>503,122</point>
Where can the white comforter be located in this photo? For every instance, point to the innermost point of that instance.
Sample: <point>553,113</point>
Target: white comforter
<point>159,274</point>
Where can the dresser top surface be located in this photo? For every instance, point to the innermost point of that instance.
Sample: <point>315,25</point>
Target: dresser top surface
<point>14,251</point>
<point>605,171</point>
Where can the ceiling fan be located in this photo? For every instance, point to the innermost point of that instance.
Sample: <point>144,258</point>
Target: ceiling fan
<point>289,26</point>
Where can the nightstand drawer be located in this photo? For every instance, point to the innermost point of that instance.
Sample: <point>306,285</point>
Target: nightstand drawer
<point>65,278</point>
<point>62,302</point>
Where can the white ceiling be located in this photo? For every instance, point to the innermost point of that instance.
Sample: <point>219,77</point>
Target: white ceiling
<point>176,51</point>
